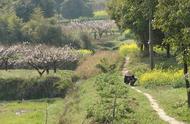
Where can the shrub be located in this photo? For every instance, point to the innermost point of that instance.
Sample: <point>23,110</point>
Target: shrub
<point>87,67</point>
<point>162,78</point>
<point>127,48</point>
<point>113,104</point>
<point>17,88</point>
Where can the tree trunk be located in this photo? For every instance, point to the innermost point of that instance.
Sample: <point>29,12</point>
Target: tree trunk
<point>54,67</point>
<point>168,50</point>
<point>6,65</point>
<point>186,76</point>
<point>100,34</point>
<point>151,45</point>
<point>141,47</point>
<point>47,71</point>
<point>146,49</point>
<point>114,109</point>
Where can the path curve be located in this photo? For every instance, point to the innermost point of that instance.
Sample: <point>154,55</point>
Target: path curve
<point>162,114</point>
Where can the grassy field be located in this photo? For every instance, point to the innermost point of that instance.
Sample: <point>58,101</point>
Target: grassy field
<point>31,112</point>
<point>28,74</point>
<point>77,102</point>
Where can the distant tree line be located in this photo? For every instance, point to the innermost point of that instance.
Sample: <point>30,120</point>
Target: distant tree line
<point>36,21</point>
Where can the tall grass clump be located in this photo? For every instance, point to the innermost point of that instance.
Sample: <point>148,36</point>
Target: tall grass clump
<point>88,67</point>
<point>162,78</point>
<point>128,48</point>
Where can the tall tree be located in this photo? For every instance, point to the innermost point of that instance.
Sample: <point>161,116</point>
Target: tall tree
<point>134,14</point>
<point>172,17</point>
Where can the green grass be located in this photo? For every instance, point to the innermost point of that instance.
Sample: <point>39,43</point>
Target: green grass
<point>28,74</point>
<point>85,94</point>
<point>143,113</point>
<point>77,102</point>
<point>173,101</point>
<point>34,111</point>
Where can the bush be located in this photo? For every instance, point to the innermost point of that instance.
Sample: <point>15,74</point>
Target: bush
<point>126,35</point>
<point>17,88</point>
<point>88,67</point>
<point>162,78</point>
<point>84,40</point>
<point>127,48</point>
<point>113,104</point>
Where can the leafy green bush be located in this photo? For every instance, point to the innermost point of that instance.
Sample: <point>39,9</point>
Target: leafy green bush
<point>84,40</point>
<point>113,104</point>
<point>126,35</point>
<point>162,78</point>
<point>14,88</point>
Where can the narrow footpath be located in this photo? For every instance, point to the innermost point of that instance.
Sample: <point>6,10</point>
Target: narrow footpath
<point>162,114</point>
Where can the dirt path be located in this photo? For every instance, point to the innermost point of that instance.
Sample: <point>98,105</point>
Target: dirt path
<point>162,114</point>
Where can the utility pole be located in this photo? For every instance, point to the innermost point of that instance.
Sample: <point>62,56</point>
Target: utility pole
<point>151,54</point>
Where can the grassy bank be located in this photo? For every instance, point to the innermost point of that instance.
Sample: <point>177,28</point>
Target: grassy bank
<point>27,84</point>
<point>31,112</point>
<point>85,95</point>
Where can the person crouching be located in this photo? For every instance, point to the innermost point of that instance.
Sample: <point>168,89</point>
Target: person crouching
<point>129,78</point>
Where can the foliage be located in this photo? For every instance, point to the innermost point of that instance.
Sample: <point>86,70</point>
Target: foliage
<point>40,57</point>
<point>79,101</point>
<point>113,104</point>
<point>42,30</point>
<point>15,87</point>
<point>75,8</point>
<point>135,16</point>
<point>162,78</point>
<point>105,66</point>
<point>96,28</point>
<point>128,48</point>
<point>176,26</point>
<point>10,28</point>
<point>83,39</point>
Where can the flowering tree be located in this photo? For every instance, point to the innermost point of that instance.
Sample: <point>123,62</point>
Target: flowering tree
<point>9,55</point>
<point>97,27</point>
<point>43,57</point>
